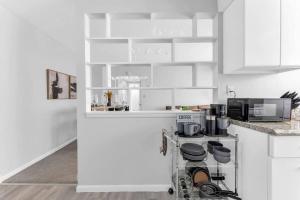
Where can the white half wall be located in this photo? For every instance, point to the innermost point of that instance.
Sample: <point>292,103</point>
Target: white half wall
<point>30,125</point>
<point>125,151</point>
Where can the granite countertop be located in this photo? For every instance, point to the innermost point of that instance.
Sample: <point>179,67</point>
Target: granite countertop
<point>287,128</point>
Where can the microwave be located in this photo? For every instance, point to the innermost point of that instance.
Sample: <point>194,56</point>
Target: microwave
<point>259,110</point>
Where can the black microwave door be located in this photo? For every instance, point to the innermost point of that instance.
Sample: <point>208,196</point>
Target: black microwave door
<point>265,110</point>
<point>237,109</point>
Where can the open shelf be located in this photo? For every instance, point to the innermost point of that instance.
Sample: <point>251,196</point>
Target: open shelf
<point>154,39</point>
<point>164,59</point>
<point>155,15</point>
<point>154,88</point>
<point>152,63</point>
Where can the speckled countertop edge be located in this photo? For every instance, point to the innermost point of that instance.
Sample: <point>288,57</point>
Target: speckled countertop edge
<point>273,128</point>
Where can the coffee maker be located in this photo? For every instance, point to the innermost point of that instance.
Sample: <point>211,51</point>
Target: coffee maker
<point>216,120</point>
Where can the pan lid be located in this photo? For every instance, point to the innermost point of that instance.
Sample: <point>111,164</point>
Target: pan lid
<point>192,149</point>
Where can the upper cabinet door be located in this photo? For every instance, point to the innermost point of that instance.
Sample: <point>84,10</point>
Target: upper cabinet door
<point>290,40</point>
<point>262,33</point>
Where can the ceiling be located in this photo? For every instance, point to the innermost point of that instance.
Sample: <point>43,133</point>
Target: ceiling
<point>63,19</point>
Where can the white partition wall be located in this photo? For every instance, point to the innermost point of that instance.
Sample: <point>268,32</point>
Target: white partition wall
<point>172,55</point>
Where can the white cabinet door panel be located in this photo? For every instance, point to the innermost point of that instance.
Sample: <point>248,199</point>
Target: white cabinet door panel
<point>285,146</point>
<point>284,179</point>
<point>290,39</point>
<point>253,163</point>
<point>262,32</point>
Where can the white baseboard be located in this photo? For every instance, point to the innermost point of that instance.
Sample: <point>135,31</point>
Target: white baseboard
<point>122,188</point>
<point>19,169</point>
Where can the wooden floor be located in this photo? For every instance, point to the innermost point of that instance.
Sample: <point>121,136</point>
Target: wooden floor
<point>67,192</point>
<point>54,178</point>
<point>60,167</point>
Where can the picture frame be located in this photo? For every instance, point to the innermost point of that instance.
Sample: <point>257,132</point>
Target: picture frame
<point>73,87</point>
<point>57,85</point>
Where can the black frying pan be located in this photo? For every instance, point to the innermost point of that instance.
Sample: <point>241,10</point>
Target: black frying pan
<point>209,190</point>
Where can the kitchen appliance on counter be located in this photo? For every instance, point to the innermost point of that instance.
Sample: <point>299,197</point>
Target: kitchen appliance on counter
<point>210,123</point>
<point>216,120</point>
<point>218,110</point>
<point>263,109</point>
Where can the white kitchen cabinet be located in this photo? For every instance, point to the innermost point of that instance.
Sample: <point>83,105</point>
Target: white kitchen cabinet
<point>262,33</point>
<point>284,178</point>
<point>290,35</point>
<point>269,165</point>
<point>251,35</point>
<point>253,159</point>
<point>261,36</point>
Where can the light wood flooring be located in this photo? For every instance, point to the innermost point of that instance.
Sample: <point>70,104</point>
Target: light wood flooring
<point>60,167</point>
<point>54,178</point>
<point>67,192</point>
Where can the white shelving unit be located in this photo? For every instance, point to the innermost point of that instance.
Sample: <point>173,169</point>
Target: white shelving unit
<point>176,53</point>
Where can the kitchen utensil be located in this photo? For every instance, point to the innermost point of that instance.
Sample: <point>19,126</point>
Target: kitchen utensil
<point>119,108</point>
<point>198,172</point>
<point>202,121</point>
<point>164,145</point>
<point>111,108</point>
<point>217,177</point>
<point>197,135</point>
<point>212,144</point>
<point>210,123</point>
<point>222,159</point>
<point>292,96</point>
<point>193,158</point>
<point>168,107</point>
<point>222,151</point>
<point>218,110</point>
<point>223,122</point>
<point>192,149</point>
<point>200,175</point>
<point>211,190</point>
<point>180,127</point>
<point>222,125</point>
<point>191,166</point>
<point>191,129</point>
<point>126,108</point>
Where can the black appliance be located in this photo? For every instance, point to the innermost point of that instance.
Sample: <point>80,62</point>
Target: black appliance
<point>255,110</point>
<point>219,110</point>
<point>216,120</point>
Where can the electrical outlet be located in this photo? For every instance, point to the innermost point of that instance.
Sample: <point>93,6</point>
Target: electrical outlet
<point>230,89</point>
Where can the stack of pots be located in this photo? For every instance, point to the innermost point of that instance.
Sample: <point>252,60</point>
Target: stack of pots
<point>220,153</point>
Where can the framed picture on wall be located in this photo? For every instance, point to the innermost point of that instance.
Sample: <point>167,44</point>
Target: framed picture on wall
<point>57,85</point>
<point>73,87</point>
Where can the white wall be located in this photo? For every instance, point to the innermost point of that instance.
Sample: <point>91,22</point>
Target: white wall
<point>30,125</point>
<point>260,86</point>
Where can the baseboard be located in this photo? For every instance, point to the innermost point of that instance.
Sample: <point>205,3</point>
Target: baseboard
<point>19,169</point>
<point>122,188</point>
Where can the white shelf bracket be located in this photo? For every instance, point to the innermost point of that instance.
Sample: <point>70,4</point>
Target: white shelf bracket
<point>108,25</point>
<point>130,51</point>
<point>173,98</point>
<point>108,75</point>
<point>173,51</point>
<point>152,75</point>
<point>194,75</point>
<point>195,25</point>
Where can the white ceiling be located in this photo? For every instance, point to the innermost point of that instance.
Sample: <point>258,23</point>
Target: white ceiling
<point>63,19</point>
